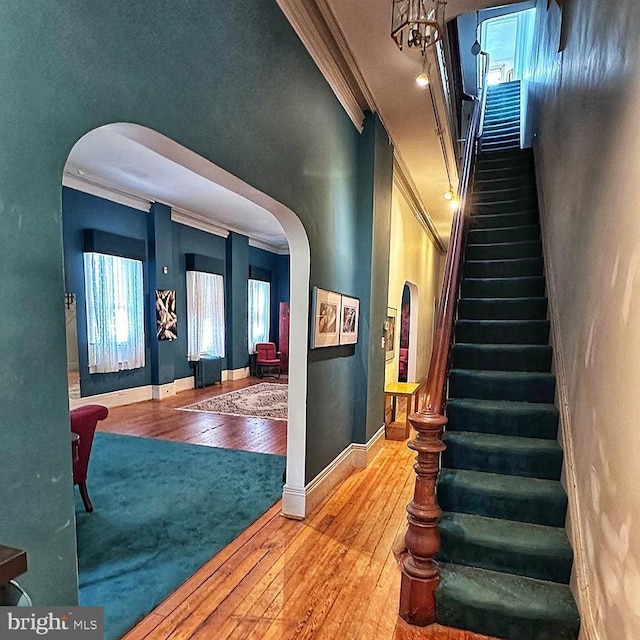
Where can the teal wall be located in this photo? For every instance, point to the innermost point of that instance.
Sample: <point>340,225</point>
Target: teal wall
<point>230,81</point>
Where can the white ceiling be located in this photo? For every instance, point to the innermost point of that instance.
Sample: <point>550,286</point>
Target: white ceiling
<point>138,161</point>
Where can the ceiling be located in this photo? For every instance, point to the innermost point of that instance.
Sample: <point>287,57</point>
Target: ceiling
<point>136,161</point>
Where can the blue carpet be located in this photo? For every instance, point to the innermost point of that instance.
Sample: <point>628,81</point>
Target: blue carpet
<point>161,510</point>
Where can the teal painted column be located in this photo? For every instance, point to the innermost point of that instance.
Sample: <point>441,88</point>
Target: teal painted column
<point>160,243</point>
<point>236,303</point>
<point>375,181</point>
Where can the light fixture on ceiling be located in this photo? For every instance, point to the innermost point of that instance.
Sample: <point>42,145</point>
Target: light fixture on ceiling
<point>449,195</point>
<point>417,23</point>
<point>422,79</point>
<point>476,48</point>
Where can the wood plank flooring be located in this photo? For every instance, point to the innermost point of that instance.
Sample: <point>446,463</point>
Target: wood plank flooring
<point>330,576</point>
<point>153,419</point>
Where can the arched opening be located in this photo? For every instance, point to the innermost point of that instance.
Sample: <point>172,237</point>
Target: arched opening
<point>407,364</point>
<point>133,166</point>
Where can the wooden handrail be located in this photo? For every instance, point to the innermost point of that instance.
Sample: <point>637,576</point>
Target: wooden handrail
<point>420,573</point>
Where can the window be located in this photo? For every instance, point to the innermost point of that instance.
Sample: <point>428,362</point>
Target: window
<point>259,312</point>
<point>205,315</point>
<point>115,312</point>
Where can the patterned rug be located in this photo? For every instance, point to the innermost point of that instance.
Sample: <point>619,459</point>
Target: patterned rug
<point>264,400</point>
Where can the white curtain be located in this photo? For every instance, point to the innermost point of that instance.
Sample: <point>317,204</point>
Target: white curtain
<point>205,315</point>
<point>259,312</point>
<point>115,312</point>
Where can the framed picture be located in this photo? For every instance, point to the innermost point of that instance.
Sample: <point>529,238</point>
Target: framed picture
<point>390,333</point>
<point>349,317</point>
<point>326,318</point>
<point>166,316</point>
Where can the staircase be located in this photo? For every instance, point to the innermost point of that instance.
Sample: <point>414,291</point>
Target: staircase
<point>505,558</point>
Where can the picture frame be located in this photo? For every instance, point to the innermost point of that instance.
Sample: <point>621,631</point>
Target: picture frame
<point>166,315</point>
<point>325,312</point>
<point>390,333</point>
<point>349,319</point>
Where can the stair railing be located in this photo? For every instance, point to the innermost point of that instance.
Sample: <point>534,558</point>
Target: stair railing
<point>420,572</point>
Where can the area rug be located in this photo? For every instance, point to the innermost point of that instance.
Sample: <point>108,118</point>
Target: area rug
<point>264,400</point>
<point>161,510</point>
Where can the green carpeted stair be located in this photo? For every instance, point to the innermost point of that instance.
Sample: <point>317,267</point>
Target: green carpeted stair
<point>505,557</point>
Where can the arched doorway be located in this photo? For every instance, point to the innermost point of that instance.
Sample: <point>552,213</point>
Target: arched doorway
<point>407,363</point>
<point>118,142</point>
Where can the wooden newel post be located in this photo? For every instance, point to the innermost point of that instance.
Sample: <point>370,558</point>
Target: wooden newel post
<point>420,573</point>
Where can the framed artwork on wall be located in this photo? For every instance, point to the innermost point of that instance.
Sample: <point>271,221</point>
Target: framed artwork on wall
<point>349,319</point>
<point>325,312</point>
<point>390,333</point>
<point>166,316</point>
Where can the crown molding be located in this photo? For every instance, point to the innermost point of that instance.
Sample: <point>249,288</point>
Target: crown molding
<point>405,185</point>
<point>267,246</point>
<point>310,24</point>
<point>195,221</point>
<point>106,191</point>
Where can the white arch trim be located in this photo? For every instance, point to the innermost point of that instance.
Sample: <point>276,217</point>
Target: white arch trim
<point>294,496</point>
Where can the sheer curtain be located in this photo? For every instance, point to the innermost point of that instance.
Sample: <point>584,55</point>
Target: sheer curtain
<point>205,315</point>
<point>259,312</point>
<point>115,312</point>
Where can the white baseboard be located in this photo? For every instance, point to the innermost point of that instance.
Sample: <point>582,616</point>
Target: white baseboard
<point>115,398</point>
<point>136,394</point>
<point>184,384</point>
<point>161,391</point>
<point>363,454</point>
<point>298,503</point>
<point>575,530</point>
<point>235,374</point>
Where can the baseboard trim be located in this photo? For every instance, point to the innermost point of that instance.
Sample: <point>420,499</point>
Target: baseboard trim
<point>298,503</point>
<point>235,374</point>
<point>581,590</point>
<point>115,398</point>
<point>363,454</point>
<point>161,391</point>
<point>184,384</point>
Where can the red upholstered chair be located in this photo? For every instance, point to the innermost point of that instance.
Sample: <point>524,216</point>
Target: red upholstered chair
<point>267,359</point>
<point>83,422</point>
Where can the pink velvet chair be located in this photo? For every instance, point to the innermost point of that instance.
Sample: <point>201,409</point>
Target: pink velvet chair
<point>83,422</point>
<point>267,359</point>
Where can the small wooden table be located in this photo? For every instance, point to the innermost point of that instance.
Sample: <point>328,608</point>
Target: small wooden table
<point>400,401</point>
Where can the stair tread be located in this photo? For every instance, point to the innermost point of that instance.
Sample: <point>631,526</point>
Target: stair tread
<point>499,484</point>
<point>505,605</point>
<point>503,443</point>
<point>505,406</point>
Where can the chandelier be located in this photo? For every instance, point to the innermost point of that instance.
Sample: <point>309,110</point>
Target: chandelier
<point>417,23</point>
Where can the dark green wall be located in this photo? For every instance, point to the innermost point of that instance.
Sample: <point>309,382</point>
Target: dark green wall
<point>230,81</point>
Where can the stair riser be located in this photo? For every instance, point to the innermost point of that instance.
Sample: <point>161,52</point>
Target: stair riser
<point>503,118</point>
<point>545,465</point>
<point>527,287</point>
<point>547,509</point>
<point>501,129</point>
<point>500,136</point>
<point>502,220</point>
<point>477,332</point>
<point>503,269</point>
<point>502,309</point>
<point>490,146</point>
<point>504,251</point>
<point>489,182</point>
<point>526,192</point>
<point>532,358</point>
<point>507,107</point>
<point>514,205</point>
<point>528,233</point>
<point>469,384</point>
<point>532,423</point>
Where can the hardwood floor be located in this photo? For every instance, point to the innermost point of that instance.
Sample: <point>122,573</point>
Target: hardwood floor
<point>153,419</point>
<point>330,576</point>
